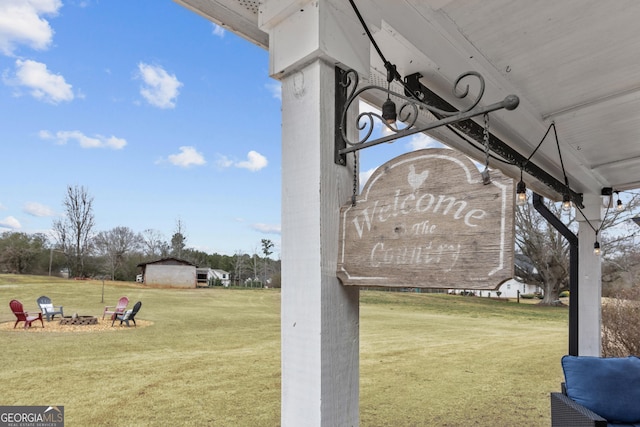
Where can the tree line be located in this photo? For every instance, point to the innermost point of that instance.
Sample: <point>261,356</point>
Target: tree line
<point>542,253</point>
<point>78,250</point>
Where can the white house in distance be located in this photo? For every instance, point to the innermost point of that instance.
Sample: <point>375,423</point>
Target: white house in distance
<point>206,275</point>
<point>169,272</point>
<point>508,289</point>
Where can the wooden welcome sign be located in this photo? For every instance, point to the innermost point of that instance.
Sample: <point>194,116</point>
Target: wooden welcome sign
<point>426,220</point>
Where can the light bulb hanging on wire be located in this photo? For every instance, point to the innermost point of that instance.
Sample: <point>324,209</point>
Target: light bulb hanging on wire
<point>389,113</point>
<point>619,205</point>
<point>566,202</point>
<point>521,192</point>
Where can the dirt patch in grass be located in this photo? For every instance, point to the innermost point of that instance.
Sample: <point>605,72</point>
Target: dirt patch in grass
<point>55,327</point>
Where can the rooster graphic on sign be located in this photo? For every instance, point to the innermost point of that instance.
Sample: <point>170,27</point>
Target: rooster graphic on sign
<point>416,179</point>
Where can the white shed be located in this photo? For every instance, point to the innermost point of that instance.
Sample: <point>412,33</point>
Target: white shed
<point>169,272</point>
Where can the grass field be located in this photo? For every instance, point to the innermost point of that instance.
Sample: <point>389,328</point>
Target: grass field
<point>211,357</point>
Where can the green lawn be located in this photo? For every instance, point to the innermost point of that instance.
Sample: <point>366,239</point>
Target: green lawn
<point>212,357</point>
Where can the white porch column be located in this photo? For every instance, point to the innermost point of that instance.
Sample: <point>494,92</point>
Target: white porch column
<point>590,279</point>
<point>319,317</point>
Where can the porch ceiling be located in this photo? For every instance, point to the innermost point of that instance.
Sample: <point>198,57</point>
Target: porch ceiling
<point>573,62</point>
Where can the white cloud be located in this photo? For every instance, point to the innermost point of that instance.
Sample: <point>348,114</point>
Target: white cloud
<point>21,23</point>
<point>160,88</point>
<point>217,30</point>
<point>421,140</point>
<point>224,162</point>
<point>275,89</point>
<point>2,207</point>
<point>97,141</point>
<point>45,134</point>
<point>43,84</point>
<point>10,223</point>
<point>37,209</point>
<point>188,157</point>
<point>365,175</point>
<point>255,161</point>
<point>267,228</point>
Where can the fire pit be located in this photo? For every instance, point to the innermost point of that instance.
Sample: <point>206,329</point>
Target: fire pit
<point>79,320</point>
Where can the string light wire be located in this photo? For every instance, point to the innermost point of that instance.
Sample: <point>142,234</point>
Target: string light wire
<point>392,74</point>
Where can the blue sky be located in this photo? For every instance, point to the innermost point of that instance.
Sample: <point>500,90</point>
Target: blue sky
<point>160,114</point>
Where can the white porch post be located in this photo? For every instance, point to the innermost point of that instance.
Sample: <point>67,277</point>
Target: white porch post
<point>590,279</point>
<point>319,317</point>
<point>320,331</point>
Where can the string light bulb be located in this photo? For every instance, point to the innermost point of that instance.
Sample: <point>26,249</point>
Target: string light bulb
<point>566,201</point>
<point>389,113</point>
<point>596,248</point>
<point>619,205</point>
<point>521,192</point>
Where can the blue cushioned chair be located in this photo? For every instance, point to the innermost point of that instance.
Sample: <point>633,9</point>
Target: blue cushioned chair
<point>598,392</point>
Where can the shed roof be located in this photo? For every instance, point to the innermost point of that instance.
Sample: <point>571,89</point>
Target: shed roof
<point>167,261</point>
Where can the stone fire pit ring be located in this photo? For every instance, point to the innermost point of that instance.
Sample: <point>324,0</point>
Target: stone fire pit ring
<point>79,320</point>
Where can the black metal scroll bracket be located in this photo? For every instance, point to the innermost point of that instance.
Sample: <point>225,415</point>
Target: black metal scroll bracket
<point>418,97</point>
<point>408,111</point>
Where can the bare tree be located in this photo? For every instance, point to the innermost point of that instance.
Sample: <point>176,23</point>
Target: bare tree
<point>73,232</point>
<point>619,250</point>
<point>239,262</point>
<point>115,244</point>
<point>547,250</point>
<point>153,243</point>
<point>622,270</point>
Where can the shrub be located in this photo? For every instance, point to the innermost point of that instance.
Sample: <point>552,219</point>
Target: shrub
<point>214,281</point>
<point>564,294</point>
<point>621,324</point>
<point>528,296</point>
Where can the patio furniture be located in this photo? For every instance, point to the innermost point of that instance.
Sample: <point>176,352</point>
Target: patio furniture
<point>114,310</point>
<point>598,392</point>
<point>48,309</point>
<point>23,316</point>
<point>129,315</point>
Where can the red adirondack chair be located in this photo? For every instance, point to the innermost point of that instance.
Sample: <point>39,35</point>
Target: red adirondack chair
<point>23,316</point>
<point>114,310</point>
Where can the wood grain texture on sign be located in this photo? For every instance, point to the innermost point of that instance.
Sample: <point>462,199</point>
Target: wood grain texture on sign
<point>426,220</point>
